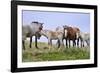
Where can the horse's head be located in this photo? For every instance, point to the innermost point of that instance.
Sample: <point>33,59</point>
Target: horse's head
<point>65,27</point>
<point>40,26</point>
<point>37,27</point>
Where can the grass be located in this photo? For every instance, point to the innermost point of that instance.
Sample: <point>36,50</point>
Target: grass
<point>44,54</point>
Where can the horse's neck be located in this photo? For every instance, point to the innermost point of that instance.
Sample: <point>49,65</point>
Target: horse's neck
<point>32,29</point>
<point>45,33</point>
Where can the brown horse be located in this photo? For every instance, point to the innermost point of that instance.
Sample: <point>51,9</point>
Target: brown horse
<point>71,33</point>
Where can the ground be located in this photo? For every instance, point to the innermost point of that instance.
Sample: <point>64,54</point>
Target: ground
<point>44,54</point>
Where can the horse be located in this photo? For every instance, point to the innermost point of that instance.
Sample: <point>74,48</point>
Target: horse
<point>71,33</point>
<point>84,37</point>
<point>59,29</point>
<point>31,30</point>
<point>53,35</point>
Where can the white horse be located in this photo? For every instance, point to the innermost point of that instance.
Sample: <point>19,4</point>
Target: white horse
<point>53,35</point>
<point>85,37</point>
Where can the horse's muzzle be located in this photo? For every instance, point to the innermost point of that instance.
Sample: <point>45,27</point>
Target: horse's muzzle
<point>40,28</point>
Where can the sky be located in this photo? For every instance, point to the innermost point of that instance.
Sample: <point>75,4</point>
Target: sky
<point>52,19</point>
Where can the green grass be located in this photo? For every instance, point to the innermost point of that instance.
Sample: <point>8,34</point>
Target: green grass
<point>44,54</point>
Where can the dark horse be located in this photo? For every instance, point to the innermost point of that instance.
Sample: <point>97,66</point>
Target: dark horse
<point>71,33</point>
<point>31,30</point>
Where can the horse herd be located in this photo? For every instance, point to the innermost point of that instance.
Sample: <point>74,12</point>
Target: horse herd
<point>65,32</point>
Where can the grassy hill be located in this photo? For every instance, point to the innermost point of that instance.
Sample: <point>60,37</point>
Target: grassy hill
<point>44,54</point>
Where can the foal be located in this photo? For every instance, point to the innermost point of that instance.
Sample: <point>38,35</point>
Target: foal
<point>53,35</point>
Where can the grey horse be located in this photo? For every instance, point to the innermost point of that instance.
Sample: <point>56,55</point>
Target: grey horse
<point>31,30</point>
<point>53,35</point>
<point>85,37</point>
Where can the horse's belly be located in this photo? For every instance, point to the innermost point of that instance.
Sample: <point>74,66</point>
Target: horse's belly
<point>54,38</point>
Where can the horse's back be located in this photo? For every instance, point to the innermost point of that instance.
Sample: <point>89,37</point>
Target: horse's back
<point>71,33</point>
<point>85,35</point>
<point>55,34</point>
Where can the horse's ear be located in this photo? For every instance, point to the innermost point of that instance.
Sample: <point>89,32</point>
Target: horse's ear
<point>63,26</point>
<point>66,26</point>
<point>35,22</point>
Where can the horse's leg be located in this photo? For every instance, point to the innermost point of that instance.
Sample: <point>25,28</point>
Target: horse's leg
<point>87,41</point>
<point>74,43</point>
<point>36,42</point>
<point>61,44</point>
<point>83,42</point>
<point>58,42</point>
<point>77,39</point>
<point>23,43</point>
<point>66,43</point>
<point>69,43</point>
<point>49,43</point>
<point>78,42</point>
<point>30,41</point>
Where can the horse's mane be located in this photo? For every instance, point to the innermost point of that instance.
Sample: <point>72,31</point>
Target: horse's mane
<point>35,22</point>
